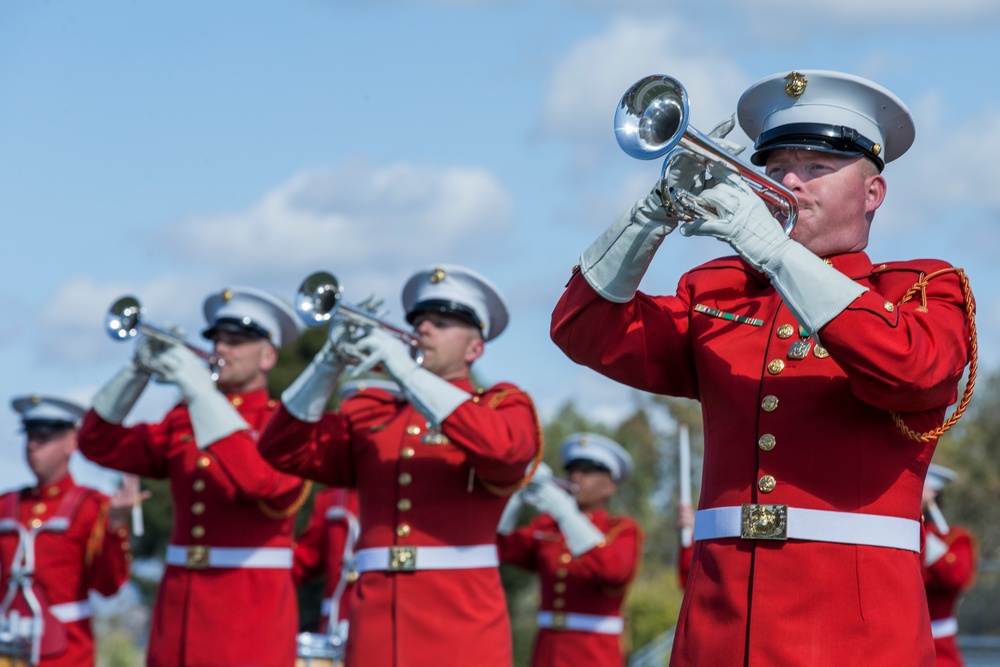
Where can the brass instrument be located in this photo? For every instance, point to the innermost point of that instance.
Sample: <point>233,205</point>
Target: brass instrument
<point>124,321</point>
<point>319,300</point>
<point>652,121</point>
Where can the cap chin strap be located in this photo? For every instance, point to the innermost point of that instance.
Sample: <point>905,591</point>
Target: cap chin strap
<point>833,138</point>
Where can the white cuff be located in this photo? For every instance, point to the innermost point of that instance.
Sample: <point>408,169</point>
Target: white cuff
<point>213,418</point>
<point>434,397</point>
<point>306,398</point>
<point>511,513</point>
<point>814,291</point>
<point>616,262</point>
<point>934,549</point>
<point>115,399</point>
<point>581,535</point>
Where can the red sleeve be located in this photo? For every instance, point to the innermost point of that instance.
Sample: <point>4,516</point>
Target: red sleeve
<point>616,561</point>
<point>907,357</point>
<point>956,570</point>
<point>139,449</point>
<point>684,557</point>
<point>319,451</point>
<point>108,555</point>
<point>643,343</point>
<point>499,432</point>
<point>255,478</point>
<point>310,545</point>
<point>519,548</point>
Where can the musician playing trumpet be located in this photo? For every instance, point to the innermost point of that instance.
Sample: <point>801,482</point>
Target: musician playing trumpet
<point>432,469</point>
<point>823,380</point>
<point>227,596</point>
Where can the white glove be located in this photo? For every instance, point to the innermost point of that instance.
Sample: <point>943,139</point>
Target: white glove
<point>581,535</point>
<point>115,399</point>
<point>306,398</point>
<point>434,397</point>
<point>934,549</point>
<point>814,291</point>
<point>213,417</point>
<point>616,262</point>
<point>511,513</point>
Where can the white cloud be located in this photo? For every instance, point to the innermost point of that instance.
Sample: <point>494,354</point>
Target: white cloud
<point>349,217</point>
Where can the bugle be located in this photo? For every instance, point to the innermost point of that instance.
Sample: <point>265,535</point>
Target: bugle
<point>319,299</point>
<point>124,321</point>
<point>652,121</point>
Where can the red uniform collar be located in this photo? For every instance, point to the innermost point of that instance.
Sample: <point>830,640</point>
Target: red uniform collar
<point>54,490</point>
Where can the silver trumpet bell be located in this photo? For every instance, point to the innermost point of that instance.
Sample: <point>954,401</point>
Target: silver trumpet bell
<point>124,321</point>
<point>319,299</point>
<point>652,121</point>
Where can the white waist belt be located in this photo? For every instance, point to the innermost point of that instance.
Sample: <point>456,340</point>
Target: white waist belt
<point>945,627</point>
<point>605,625</point>
<point>67,612</point>
<point>803,524</point>
<point>406,559</point>
<point>197,557</point>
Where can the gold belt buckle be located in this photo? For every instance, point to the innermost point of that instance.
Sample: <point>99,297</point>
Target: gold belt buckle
<point>558,620</point>
<point>402,559</point>
<point>197,557</point>
<point>764,522</point>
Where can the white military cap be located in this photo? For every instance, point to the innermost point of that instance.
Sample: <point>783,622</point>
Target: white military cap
<point>251,312</point>
<point>46,414</point>
<point>599,450</point>
<point>825,111</point>
<point>459,292</point>
<point>938,477</point>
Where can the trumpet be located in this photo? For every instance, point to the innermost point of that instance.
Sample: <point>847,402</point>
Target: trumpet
<point>319,299</point>
<point>652,121</point>
<point>124,321</point>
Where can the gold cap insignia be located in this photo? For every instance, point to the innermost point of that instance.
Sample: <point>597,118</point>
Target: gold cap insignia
<point>35,399</point>
<point>795,85</point>
<point>877,149</point>
<point>438,275</point>
<point>227,295</point>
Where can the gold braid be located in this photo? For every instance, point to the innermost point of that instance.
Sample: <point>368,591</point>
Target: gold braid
<point>970,313</point>
<point>273,513</point>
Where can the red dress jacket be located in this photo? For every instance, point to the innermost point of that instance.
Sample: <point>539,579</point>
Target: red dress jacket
<point>831,444</point>
<point>420,489</point>
<point>594,583</point>
<point>224,496</point>
<point>945,581</point>
<point>319,550</point>
<point>68,563</point>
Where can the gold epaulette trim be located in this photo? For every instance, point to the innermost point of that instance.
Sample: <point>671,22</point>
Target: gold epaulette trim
<point>96,540</point>
<point>510,489</point>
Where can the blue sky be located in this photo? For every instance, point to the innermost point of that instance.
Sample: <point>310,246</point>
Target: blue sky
<point>168,150</point>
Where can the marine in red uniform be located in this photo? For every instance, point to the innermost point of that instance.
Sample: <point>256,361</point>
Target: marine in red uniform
<point>803,353</point>
<point>227,596</point>
<point>585,556</point>
<point>949,567</point>
<point>58,542</point>
<point>432,471</point>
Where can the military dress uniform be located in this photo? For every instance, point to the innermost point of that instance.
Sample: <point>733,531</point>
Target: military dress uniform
<point>800,446</point>
<point>949,571</point>
<point>65,527</point>
<point>227,596</point>
<point>429,591</point>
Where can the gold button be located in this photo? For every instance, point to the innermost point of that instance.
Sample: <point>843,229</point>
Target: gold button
<point>558,603</point>
<point>404,505</point>
<point>770,403</point>
<point>402,530</point>
<point>34,523</point>
<point>38,508</point>
<point>405,478</point>
<point>889,306</point>
<point>198,508</point>
<point>565,558</point>
<point>785,331</point>
<point>198,485</point>
<point>776,366</point>
<point>237,401</point>
<point>407,452</point>
<point>560,587</point>
<point>766,484</point>
<point>827,260</point>
<point>413,429</point>
<point>52,492</point>
<point>767,442</point>
<point>562,572</point>
<point>203,462</point>
<point>821,352</point>
<point>198,531</point>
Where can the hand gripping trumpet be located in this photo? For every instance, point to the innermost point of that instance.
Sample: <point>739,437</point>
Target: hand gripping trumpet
<point>319,299</point>
<point>124,321</point>
<point>652,121</point>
